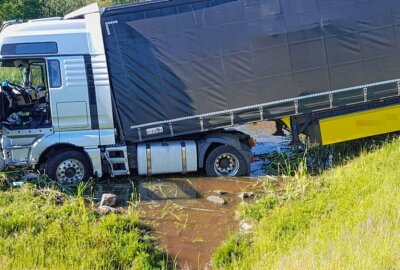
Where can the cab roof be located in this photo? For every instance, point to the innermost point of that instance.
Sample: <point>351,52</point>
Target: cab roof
<point>73,34</point>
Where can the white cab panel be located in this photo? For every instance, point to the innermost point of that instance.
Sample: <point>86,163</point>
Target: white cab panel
<point>72,118</point>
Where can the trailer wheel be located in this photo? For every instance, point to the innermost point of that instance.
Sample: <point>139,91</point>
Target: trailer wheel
<point>68,167</point>
<point>225,161</point>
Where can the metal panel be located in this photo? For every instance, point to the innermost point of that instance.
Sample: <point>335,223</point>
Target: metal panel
<point>72,115</point>
<point>69,103</point>
<point>94,119</point>
<point>82,138</point>
<point>95,157</point>
<point>107,136</point>
<point>167,157</point>
<point>103,92</point>
<point>360,125</point>
<point>41,144</point>
<point>70,36</point>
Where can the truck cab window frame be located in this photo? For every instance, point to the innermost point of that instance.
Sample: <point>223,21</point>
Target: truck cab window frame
<point>54,70</point>
<point>37,76</point>
<point>24,94</point>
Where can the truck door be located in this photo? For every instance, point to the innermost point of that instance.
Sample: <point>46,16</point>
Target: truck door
<point>69,99</point>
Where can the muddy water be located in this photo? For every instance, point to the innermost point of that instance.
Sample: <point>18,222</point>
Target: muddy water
<point>186,224</point>
<point>190,227</point>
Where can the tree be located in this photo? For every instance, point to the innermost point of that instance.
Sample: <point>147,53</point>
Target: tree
<point>20,9</point>
<point>33,9</point>
<point>54,8</point>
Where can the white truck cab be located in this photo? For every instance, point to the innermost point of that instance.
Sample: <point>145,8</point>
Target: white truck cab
<point>58,92</point>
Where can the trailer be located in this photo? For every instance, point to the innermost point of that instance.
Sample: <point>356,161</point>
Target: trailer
<point>152,87</point>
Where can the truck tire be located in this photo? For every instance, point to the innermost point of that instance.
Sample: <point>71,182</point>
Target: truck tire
<point>68,167</point>
<point>226,161</point>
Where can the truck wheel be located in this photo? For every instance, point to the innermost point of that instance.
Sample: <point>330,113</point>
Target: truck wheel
<point>68,167</point>
<point>225,161</point>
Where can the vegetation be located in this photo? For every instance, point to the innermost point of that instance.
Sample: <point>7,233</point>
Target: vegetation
<point>42,228</point>
<point>13,75</point>
<point>318,158</point>
<point>346,218</point>
<point>32,9</point>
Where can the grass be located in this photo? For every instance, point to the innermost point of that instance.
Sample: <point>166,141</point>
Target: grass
<point>318,158</point>
<point>345,218</point>
<point>13,75</point>
<point>43,228</point>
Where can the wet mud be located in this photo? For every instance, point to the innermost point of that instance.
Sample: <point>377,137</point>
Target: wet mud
<point>190,227</point>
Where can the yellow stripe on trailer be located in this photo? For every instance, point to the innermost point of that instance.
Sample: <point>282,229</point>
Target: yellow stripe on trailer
<point>360,125</point>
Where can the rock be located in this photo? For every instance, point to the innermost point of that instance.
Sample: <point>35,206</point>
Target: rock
<point>17,183</point>
<point>108,199</point>
<point>245,195</point>
<point>220,192</point>
<point>216,200</point>
<point>245,227</point>
<point>104,210</point>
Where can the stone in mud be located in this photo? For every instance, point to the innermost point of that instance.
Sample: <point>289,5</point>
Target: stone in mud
<point>104,210</point>
<point>216,200</point>
<point>246,195</point>
<point>220,192</point>
<point>108,199</point>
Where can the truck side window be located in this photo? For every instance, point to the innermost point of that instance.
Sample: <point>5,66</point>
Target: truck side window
<point>54,74</point>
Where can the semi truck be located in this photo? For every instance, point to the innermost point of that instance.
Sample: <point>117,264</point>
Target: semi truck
<point>156,87</point>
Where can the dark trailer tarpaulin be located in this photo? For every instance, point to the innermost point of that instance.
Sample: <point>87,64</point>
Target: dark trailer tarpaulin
<point>177,59</point>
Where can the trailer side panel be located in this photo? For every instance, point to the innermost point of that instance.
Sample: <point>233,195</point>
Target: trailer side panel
<point>180,58</point>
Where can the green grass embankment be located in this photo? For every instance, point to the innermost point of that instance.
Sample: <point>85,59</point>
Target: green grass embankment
<point>346,218</point>
<point>46,229</point>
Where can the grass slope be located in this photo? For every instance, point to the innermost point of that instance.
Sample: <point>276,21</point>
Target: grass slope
<point>45,229</point>
<point>347,218</point>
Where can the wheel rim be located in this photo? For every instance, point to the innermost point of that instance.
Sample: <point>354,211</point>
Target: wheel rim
<point>226,164</point>
<point>70,171</point>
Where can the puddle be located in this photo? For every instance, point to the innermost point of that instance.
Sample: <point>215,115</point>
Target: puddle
<point>185,223</point>
<point>190,227</point>
<point>124,191</point>
<point>158,190</point>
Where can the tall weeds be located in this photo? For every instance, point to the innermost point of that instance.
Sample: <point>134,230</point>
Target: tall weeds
<point>316,159</point>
